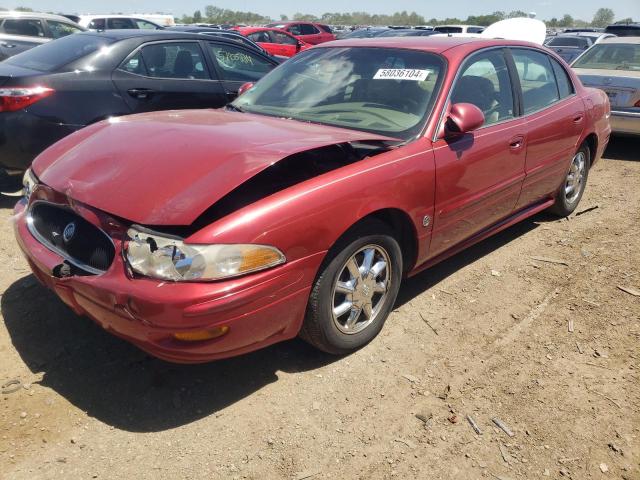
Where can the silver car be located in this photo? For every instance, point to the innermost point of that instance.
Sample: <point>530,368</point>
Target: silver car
<point>613,65</point>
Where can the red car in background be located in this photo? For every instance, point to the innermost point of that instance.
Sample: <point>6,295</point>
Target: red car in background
<point>274,40</point>
<point>298,210</point>
<point>308,32</point>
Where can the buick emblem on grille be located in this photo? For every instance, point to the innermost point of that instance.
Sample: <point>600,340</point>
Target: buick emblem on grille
<point>69,231</point>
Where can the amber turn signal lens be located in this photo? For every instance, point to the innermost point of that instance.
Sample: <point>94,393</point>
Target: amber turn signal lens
<point>256,258</point>
<point>200,335</point>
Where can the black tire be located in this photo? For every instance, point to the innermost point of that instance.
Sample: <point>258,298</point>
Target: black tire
<point>319,328</point>
<point>564,205</point>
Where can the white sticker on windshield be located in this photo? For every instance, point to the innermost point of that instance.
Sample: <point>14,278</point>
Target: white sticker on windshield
<point>401,74</point>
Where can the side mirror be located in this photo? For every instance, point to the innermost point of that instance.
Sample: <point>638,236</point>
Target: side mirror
<point>463,118</point>
<point>244,87</point>
<point>298,46</point>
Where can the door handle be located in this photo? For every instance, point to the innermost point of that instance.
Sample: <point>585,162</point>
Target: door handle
<point>578,118</point>
<point>516,142</point>
<point>8,45</point>
<point>140,93</point>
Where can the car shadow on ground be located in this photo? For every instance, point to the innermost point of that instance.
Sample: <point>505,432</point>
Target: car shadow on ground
<point>123,387</point>
<point>623,148</point>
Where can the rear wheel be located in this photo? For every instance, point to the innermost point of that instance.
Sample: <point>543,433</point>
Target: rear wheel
<point>355,291</point>
<point>572,188</point>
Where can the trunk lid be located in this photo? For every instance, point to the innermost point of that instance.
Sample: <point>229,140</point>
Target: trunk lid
<point>621,86</point>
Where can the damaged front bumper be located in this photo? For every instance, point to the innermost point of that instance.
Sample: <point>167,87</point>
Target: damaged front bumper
<point>257,310</point>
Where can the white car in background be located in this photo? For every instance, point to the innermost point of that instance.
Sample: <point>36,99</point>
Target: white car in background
<point>458,29</point>
<point>116,22</point>
<point>613,65</point>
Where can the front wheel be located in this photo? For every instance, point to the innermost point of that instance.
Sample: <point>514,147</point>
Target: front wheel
<point>572,188</point>
<point>355,291</point>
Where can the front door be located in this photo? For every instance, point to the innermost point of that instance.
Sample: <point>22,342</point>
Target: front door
<point>237,65</point>
<point>479,175</point>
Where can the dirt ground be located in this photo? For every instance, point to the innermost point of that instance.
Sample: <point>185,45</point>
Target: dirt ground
<point>487,334</point>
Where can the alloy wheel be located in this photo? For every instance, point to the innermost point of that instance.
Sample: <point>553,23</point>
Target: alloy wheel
<point>361,289</point>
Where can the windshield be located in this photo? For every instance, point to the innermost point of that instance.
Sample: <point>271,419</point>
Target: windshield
<point>52,55</point>
<point>611,56</point>
<point>579,42</point>
<point>381,90</point>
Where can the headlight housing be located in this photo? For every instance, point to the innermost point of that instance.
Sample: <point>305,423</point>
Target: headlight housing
<point>29,182</point>
<point>169,258</point>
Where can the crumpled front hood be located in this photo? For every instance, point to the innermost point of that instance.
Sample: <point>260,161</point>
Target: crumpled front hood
<point>167,168</point>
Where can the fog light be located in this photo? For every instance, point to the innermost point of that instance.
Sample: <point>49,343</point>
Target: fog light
<point>200,335</point>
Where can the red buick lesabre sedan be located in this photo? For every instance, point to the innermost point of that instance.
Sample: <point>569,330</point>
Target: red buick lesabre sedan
<point>298,209</point>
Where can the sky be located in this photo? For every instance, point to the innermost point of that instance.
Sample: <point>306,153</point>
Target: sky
<point>545,9</point>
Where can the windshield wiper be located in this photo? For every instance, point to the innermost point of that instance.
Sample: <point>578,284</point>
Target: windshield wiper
<point>235,108</point>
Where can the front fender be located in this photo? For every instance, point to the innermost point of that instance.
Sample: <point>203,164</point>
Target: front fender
<point>309,217</point>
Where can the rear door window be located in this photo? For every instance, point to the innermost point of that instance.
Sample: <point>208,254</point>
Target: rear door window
<point>61,29</point>
<point>295,29</point>
<point>174,60</point>
<point>539,88</point>
<point>97,24</point>
<point>23,26</point>
<point>565,86</point>
<point>237,64</point>
<point>262,36</point>
<point>120,23</point>
<point>308,29</point>
<point>135,64</point>
<point>283,38</point>
<point>485,83</point>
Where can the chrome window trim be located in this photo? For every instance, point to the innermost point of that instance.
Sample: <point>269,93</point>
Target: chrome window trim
<point>53,248</point>
<point>523,115</point>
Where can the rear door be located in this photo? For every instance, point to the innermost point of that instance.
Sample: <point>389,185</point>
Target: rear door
<point>237,65</point>
<point>168,75</point>
<point>555,118</point>
<point>479,175</point>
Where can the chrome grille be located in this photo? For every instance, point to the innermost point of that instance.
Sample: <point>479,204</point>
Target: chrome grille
<point>75,239</point>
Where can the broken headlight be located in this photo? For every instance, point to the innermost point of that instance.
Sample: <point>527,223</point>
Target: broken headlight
<point>169,258</point>
<point>29,182</point>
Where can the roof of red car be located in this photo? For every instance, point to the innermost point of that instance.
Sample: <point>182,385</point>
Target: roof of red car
<point>430,43</point>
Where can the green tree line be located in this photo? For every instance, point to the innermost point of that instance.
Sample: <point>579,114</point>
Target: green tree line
<point>216,15</point>
<point>212,14</point>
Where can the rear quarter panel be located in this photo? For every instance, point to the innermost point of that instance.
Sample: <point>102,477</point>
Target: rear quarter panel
<point>598,112</point>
